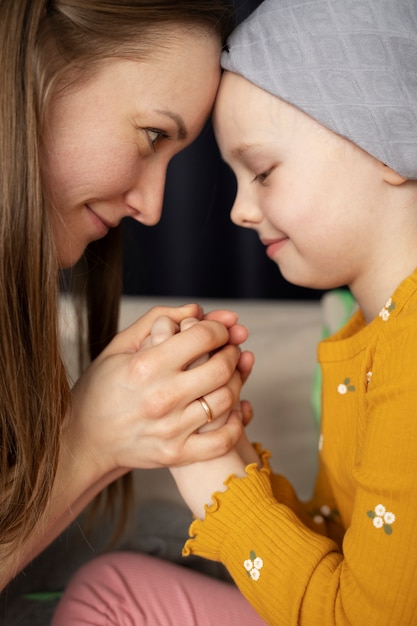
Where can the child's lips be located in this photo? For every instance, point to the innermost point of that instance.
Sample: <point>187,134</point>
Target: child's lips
<point>274,245</point>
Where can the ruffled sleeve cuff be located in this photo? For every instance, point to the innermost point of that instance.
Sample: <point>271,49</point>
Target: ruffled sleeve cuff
<point>230,509</point>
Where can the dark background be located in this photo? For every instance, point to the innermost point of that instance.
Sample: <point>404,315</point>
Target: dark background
<point>195,251</point>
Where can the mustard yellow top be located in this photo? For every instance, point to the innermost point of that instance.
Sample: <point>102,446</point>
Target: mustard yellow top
<point>350,555</point>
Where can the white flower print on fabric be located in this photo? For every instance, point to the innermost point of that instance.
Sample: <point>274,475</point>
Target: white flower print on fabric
<point>253,566</point>
<point>368,377</point>
<point>385,312</point>
<point>381,518</point>
<point>324,513</point>
<point>345,387</point>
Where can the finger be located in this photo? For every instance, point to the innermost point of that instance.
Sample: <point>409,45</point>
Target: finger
<point>217,405</point>
<point>238,334</point>
<point>130,339</point>
<point>170,389</point>
<point>194,342</point>
<point>210,445</point>
<point>188,323</point>
<point>247,412</point>
<point>226,317</point>
<point>246,363</point>
<point>215,373</point>
<point>163,328</point>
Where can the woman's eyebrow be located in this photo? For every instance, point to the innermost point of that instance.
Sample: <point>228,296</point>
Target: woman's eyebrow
<point>175,117</point>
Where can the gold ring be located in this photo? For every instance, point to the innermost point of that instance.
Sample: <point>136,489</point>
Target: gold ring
<point>206,408</point>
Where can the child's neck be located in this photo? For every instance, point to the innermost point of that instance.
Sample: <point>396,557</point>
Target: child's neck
<point>372,295</point>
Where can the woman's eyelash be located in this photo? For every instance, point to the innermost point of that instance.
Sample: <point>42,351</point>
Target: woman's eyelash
<point>155,135</point>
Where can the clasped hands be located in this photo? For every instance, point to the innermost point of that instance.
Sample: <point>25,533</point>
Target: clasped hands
<point>136,405</point>
<point>198,482</point>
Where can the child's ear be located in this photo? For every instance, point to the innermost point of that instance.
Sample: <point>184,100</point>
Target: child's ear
<point>392,177</point>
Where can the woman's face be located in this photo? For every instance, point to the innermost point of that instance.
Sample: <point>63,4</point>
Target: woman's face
<point>108,142</point>
<point>317,202</point>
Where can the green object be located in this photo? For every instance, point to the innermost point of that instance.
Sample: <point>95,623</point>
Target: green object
<point>346,304</point>
<point>43,596</point>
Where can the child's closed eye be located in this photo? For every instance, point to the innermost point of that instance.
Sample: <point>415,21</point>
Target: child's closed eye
<point>262,178</point>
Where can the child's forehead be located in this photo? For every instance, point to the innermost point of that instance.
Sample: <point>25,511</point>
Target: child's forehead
<point>349,65</point>
<point>235,89</point>
<point>239,97</point>
<point>250,129</point>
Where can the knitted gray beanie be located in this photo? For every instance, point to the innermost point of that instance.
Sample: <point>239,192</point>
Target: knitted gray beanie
<point>349,64</point>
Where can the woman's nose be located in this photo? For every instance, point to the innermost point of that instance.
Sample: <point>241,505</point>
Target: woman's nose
<point>145,197</point>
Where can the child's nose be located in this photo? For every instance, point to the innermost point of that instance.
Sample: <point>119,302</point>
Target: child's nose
<point>245,211</point>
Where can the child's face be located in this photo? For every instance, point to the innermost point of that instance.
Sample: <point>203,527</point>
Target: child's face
<point>315,199</point>
<point>108,142</point>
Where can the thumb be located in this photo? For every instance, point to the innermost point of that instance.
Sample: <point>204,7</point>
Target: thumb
<point>130,339</point>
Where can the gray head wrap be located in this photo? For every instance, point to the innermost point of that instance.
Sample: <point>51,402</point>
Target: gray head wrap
<point>349,64</point>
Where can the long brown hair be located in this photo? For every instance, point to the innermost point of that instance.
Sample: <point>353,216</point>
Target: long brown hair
<point>44,47</point>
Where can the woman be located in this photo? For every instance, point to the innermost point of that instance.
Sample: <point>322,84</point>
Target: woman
<point>317,117</point>
<point>96,97</point>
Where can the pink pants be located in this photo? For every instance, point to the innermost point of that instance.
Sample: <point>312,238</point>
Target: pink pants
<point>129,589</point>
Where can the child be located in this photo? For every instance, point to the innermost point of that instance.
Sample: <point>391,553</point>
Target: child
<point>317,116</point>
<point>325,154</point>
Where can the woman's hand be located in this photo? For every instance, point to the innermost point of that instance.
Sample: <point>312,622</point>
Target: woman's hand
<point>136,408</point>
<point>165,327</point>
<point>237,335</point>
<point>198,481</point>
